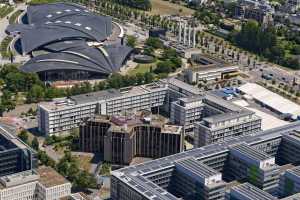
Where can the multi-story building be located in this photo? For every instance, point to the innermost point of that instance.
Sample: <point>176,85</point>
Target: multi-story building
<point>211,119</point>
<point>194,180</point>
<point>258,168</point>
<point>289,183</point>
<point>186,111</point>
<point>15,155</point>
<point>154,179</point>
<point>259,10</point>
<point>67,113</point>
<point>43,184</point>
<point>120,138</point>
<point>246,191</point>
<point>289,151</point>
<point>207,68</point>
<point>223,120</point>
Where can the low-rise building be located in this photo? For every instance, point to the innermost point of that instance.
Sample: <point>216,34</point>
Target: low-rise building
<point>43,184</point>
<point>207,68</point>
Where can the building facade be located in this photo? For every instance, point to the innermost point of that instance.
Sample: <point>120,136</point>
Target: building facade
<point>154,179</point>
<point>42,184</point>
<point>121,138</point>
<point>67,113</point>
<point>15,155</point>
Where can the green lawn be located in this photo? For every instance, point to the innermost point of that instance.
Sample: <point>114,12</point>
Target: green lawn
<point>5,10</point>
<point>4,47</point>
<point>142,69</point>
<point>14,16</point>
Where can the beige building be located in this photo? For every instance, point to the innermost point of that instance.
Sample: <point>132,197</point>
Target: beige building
<point>41,184</point>
<point>206,68</point>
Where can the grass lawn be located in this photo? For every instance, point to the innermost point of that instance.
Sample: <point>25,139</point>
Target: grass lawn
<point>14,16</point>
<point>84,162</point>
<point>142,68</point>
<point>5,10</point>
<point>161,7</point>
<point>4,46</point>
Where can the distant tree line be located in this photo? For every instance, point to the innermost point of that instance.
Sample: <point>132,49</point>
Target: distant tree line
<point>140,4</point>
<point>265,42</point>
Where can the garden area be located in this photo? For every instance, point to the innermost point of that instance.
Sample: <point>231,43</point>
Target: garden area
<point>163,60</point>
<point>5,10</point>
<point>4,47</point>
<point>13,18</point>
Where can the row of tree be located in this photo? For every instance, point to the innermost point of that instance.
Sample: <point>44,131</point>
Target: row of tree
<point>264,41</point>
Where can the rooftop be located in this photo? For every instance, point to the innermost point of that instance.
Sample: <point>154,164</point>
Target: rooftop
<point>198,171</point>
<point>247,153</point>
<point>133,176</point>
<point>250,192</point>
<point>270,99</point>
<point>49,177</point>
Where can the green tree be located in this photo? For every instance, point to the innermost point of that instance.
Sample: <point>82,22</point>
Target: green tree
<point>155,43</point>
<point>23,135</point>
<point>35,143</point>
<point>131,41</point>
<point>35,94</point>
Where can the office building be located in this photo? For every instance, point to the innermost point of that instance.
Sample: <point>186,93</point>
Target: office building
<point>154,179</point>
<point>289,183</point>
<point>258,168</point>
<point>194,180</point>
<point>246,191</point>
<point>260,11</point>
<point>15,155</point>
<point>67,113</point>
<point>289,150</point>
<point>207,68</point>
<point>120,138</point>
<point>222,120</point>
<point>209,118</point>
<point>43,184</point>
<point>186,111</point>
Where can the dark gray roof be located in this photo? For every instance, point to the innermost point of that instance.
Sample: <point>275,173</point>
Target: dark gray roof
<point>248,191</point>
<point>55,22</point>
<point>96,96</point>
<point>104,60</point>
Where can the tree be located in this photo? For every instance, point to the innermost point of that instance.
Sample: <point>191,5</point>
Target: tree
<point>131,41</point>
<point>23,135</point>
<point>35,94</point>
<point>35,143</point>
<point>155,43</point>
<point>6,102</point>
<point>45,159</point>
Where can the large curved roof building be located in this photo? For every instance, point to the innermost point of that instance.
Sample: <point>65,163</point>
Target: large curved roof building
<point>69,42</point>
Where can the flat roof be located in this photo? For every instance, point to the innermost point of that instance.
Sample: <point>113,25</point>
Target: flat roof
<point>135,176</point>
<point>250,152</point>
<point>197,170</point>
<point>96,96</point>
<point>271,99</point>
<point>295,171</point>
<point>50,178</point>
<point>250,192</point>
